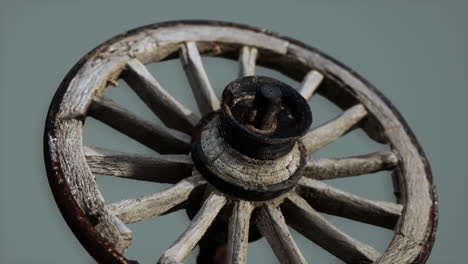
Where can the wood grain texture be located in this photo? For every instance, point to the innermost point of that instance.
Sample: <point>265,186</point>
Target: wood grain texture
<point>148,206</point>
<point>105,64</point>
<point>325,169</point>
<point>247,61</point>
<point>415,231</point>
<point>91,80</point>
<point>83,188</point>
<point>152,45</point>
<point>402,249</point>
<point>329,132</point>
<point>238,234</point>
<point>162,139</point>
<point>241,169</point>
<point>200,223</point>
<point>333,201</point>
<point>205,96</point>
<point>124,230</point>
<point>272,226</point>
<point>212,33</point>
<point>315,227</point>
<point>310,83</point>
<point>145,167</point>
<point>165,106</point>
<point>418,194</point>
<point>148,46</point>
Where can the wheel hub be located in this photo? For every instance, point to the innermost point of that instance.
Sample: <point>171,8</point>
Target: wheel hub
<point>251,148</point>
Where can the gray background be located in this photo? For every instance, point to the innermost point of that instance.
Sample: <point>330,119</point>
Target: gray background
<point>415,52</point>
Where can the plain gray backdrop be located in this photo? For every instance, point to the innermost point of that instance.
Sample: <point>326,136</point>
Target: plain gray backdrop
<point>415,52</point>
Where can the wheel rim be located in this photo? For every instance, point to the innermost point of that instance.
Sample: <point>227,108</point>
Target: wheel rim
<point>105,236</point>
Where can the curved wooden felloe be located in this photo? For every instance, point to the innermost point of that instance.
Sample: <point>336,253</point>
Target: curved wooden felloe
<point>101,228</point>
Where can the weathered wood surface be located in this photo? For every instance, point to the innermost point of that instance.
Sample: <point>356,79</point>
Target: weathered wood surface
<point>222,34</point>
<point>91,80</point>
<point>240,169</point>
<point>333,201</point>
<point>153,167</point>
<point>162,139</point>
<point>325,169</point>
<point>205,96</point>
<point>418,195</point>
<point>124,231</point>
<point>197,228</point>
<point>329,132</point>
<point>415,230</point>
<point>272,225</point>
<point>247,61</point>
<point>83,187</point>
<point>315,227</point>
<point>165,106</point>
<point>151,45</point>
<point>310,83</point>
<point>402,249</point>
<point>148,206</point>
<point>238,234</point>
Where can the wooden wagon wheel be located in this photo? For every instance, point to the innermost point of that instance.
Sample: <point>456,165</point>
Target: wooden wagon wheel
<point>243,168</point>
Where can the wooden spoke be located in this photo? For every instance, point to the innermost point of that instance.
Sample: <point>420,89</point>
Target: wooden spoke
<point>238,237</point>
<point>124,231</point>
<point>310,83</point>
<point>160,138</point>
<point>205,96</point>
<point>315,227</point>
<point>247,60</point>
<point>155,168</point>
<point>148,206</point>
<point>271,224</point>
<point>329,132</point>
<point>325,169</point>
<point>166,107</point>
<point>200,223</point>
<point>333,201</point>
